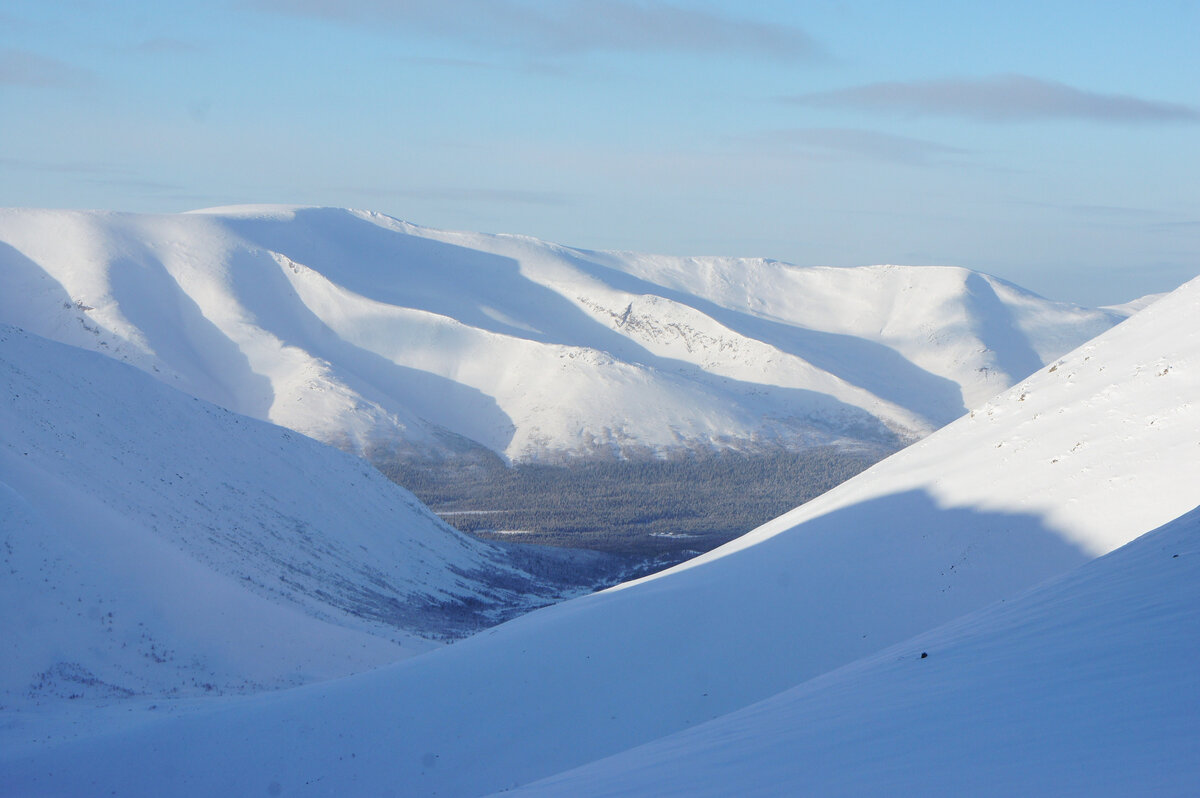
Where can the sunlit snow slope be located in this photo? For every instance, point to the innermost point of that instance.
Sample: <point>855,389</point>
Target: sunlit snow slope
<point>153,544</point>
<point>1087,454</point>
<point>364,331</point>
<point>1087,686</point>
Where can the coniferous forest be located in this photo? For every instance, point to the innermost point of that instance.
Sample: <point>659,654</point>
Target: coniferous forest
<point>660,508</point>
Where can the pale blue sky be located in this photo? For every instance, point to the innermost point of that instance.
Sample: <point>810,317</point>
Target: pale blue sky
<point>1050,143</point>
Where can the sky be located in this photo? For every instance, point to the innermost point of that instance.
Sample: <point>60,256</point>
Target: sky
<point>1053,144</point>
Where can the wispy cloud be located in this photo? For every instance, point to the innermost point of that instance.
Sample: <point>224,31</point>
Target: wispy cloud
<point>1001,98</point>
<point>1157,220</point>
<point>851,143</point>
<point>571,26</point>
<point>452,63</point>
<point>91,173</point>
<point>62,167</point>
<point>1114,212</point>
<point>164,45</point>
<point>466,195</point>
<point>1187,226</point>
<point>529,68</point>
<point>23,68</point>
<point>139,184</point>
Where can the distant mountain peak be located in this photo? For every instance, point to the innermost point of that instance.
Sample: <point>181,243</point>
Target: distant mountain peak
<point>363,330</point>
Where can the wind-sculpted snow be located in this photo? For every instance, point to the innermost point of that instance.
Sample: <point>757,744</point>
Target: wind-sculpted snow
<point>1082,457</point>
<point>367,332</point>
<point>154,544</point>
<point>1085,686</point>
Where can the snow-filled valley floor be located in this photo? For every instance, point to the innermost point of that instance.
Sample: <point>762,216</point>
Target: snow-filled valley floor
<point>1040,552</point>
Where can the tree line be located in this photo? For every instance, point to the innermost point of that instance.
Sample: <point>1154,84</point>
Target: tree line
<point>647,507</point>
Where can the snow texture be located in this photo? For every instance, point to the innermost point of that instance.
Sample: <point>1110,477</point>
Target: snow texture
<point>1077,460</point>
<point>1085,686</point>
<point>156,545</point>
<point>367,332</point>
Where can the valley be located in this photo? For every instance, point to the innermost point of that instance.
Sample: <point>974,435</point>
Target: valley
<point>645,406</point>
<point>599,399</point>
<point>757,544</point>
<point>666,510</point>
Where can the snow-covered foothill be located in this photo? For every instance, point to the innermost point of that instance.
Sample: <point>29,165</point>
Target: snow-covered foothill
<point>1085,686</point>
<point>364,331</point>
<point>1134,305</point>
<point>153,544</point>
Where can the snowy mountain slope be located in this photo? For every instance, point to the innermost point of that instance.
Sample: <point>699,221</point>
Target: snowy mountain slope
<point>154,544</point>
<point>364,331</point>
<point>1077,460</point>
<point>1086,686</point>
<point>1133,306</point>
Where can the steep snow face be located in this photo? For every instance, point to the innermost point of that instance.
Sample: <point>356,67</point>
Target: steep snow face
<point>1102,444</point>
<point>1084,686</point>
<point>363,331</point>
<point>154,544</point>
<point>1082,457</point>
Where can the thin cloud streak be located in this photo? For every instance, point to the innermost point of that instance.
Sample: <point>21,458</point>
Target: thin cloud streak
<point>94,174</point>
<point>1113,211</point>
<point>842,143</point>
<point>163,45</point>
<point>1001,98</point>
<point>65,167</point>
<point>550,70</point>
<point>1120,212</point>
<point>548,198</point>
<point>1177,227</point>
<point>565,28</point>
<point>151,186</point>
<point>23,68</point>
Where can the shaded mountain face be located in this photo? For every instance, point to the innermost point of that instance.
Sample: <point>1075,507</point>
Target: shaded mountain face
<point>410,343</point>
<point>1084,686</point>
<point>1082,457</point>
<point>155,544</point>
<point>446,359</point>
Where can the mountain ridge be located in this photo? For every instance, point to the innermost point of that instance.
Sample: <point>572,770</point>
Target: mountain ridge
<point>155,544</point>
<point>1083,685</point>
<point>364,331</point>
<point>1078,459</point>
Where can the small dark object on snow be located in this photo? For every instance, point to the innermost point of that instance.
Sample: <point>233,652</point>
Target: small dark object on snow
<point>924,654</point>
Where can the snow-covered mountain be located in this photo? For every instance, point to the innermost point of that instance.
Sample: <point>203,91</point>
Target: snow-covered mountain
<point>1077,460</point>
<point>154,544</point>
<point>1086,686</point>
<point>370,333</point>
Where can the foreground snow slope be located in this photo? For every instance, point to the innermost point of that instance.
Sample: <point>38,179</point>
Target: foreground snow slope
<point>1077,460</point>
<point>363,331</point>
<point>154,544</point>
<point>1086,686</point>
